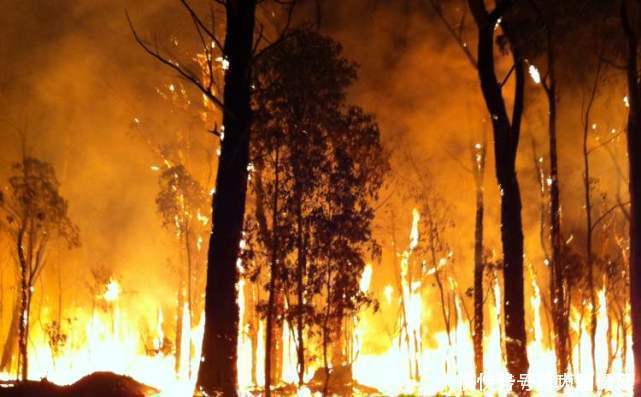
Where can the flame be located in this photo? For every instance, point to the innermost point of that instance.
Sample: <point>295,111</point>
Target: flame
<point>534,74</point>
<point>420,357</point>
<point>112,291</point>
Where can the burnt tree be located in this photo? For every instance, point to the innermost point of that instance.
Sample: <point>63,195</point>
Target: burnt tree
<point>506,140</point>
<point>34,215</point>
<point>478,167</point>
<point>217,371</point>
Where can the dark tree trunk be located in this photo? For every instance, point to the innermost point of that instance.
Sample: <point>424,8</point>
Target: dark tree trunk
<point>634,161</point>
<point>179,327</point>
<point>217,372</point>
<point>478,285</point>
<point>557,275</point>
<point>590,262</point>
<point>273,283</point>
<point>301,263</point>
<point>23,319</point>
<point>512,239</point>
<point>589,226</point>
<point>277,338</point>
<point>478,164</point>
<point>326,331</point>
<point>506,139</point>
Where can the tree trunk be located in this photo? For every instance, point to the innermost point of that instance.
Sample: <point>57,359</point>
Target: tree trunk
<point>23,318</point>
<point>190,308</point>
<point>300,272</point>
<point>274,276</point>
<point>179,329</point>
<point>217,372</point>
<point>506,139</point>
<point>277,338</point>
<point>253,332</point>
<point>478,164</point>
<point>634,162</point>
<point>557,276</point>
<point>588,226</point>
<point>326,330</point>
<point>513,303</point>
<point>590,262</point>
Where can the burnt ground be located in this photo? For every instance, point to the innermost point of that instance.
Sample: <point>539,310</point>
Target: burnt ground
<point>98,384</point>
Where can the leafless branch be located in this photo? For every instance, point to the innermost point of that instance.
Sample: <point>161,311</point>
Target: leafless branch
<point>285,32</point>
<point>507,76</point>
<point>456,33</point>
<point>606,213</point>
<point>185,73</point>
<point>199,23</point>
<point>604,143</point>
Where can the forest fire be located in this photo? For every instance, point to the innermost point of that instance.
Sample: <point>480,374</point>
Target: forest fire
<point>110,339</point>
<point>275,198</point>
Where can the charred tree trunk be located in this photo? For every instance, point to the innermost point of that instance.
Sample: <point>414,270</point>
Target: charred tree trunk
<point>506,139</point>
<point>179,328</point>
<point>277,338</point>
<point>23,318</point>
<point>273,281</point>
<point>557,276</point>
<point>217,372</point>
<point>478,163</point>
<point>589,227</point>
<point>326,330</point>
<point>634,162</point>
<point>301,264</point>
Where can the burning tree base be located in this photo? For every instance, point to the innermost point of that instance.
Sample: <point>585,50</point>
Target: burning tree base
<point>98,384</point>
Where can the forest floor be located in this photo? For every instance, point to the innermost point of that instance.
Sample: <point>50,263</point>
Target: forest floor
<point>98,384</point>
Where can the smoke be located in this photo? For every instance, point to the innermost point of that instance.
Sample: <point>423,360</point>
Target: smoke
<point>73,82</point>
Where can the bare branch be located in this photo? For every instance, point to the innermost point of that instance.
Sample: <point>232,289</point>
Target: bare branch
<point>507,76</point>
<point>285,31</point>
<point>612,63</point>
<point>185,73</point>
<point>607,212</point>
<point>457,34</point>
<point>604,143</point>
<point>201,24</point>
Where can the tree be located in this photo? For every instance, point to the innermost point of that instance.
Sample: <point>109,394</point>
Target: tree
<point>270,240</point>
<point>182,204</point>
<point>588,185</point>
<point>506,139</point>
<point>478,167</point>
<point>34,216</point>
<point>549,13</point>
<point>318,164</point>
<point>342,226</point>
<point>217,371</point>
<point>506,133</point>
